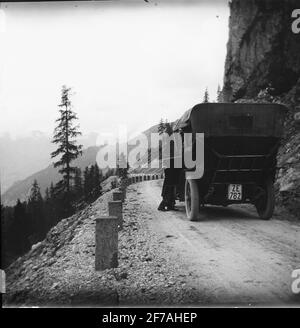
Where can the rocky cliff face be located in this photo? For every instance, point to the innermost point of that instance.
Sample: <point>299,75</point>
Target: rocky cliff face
<point>263,64</point>
<point>262,50</point>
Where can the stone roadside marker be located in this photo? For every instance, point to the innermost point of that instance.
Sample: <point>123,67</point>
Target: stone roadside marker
<point>106,238</point>
<point>117,195</point>
<point>115,209</point>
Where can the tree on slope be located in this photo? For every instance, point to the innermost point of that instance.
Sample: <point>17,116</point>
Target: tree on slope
<point>36,214</point>
<point>161,127</point>
<point>219,95</point>
<point>65,135</point>
<point>206,96</point>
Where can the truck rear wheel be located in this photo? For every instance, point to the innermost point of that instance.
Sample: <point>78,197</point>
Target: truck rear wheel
<point>266,203</point>
<point>191,199</point>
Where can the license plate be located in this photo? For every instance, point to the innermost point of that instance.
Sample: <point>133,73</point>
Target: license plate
<point>235,192</point>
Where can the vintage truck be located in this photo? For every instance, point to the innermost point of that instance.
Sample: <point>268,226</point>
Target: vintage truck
<point>241,141</point>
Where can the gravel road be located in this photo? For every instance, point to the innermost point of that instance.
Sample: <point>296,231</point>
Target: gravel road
<point>231,256</point>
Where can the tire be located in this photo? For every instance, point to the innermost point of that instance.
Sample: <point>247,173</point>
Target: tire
<point>191,199</point>
<point>265,205</point>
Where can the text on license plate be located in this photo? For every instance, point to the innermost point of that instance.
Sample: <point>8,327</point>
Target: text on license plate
<point>235,192</point>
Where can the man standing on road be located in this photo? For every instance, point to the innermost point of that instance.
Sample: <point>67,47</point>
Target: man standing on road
<point>171,175</point>
<point>169,190</point>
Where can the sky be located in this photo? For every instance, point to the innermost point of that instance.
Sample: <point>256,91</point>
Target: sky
<point>128,63</point>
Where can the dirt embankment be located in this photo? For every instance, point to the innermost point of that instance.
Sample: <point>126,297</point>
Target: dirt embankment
<point>60,270</point>
<point>229,257</point>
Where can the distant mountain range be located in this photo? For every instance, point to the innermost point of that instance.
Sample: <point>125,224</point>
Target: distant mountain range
<point>21,189</point>
<point>21,157</point>
<point>44,177</point>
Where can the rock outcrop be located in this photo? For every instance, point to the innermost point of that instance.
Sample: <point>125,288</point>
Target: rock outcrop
<point>263,65</point>
<point>262,50</point>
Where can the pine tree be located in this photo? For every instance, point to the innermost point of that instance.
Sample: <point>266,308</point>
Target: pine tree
<point>219,94</point>
<point>168,128</point>
<point>161,127</point>
<point>97,180</point>
<point>52,191</point>
<point>35,193</point>
<point>52,211</point>
<point>47,194</point>
<point>92,182</point>
<point>78,185</point>
<point>64,136</point>
<point>87,183</point>
<point>206,96</point>
<point>35,211</point>
<point>8,239</point>
<point>19,229</point>
<point>47,209</point>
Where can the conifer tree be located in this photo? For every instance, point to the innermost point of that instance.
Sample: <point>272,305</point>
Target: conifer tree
<point>92,182</point>
<point>206,96</point>
<point>168,128</point>
<point>53,206</point>
<point>219,94</point>
<point>35,211</point>
<point>18,230</point>
<point>78,186</point>
<point>47,194</point>
<point>65,135</point>
<point>97,180</point>
<point>87,183</point>
<point>52,191</point>
<point>161,127</point>
<point>47,209</point>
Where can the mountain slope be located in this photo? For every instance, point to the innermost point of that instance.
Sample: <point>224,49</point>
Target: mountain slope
<point>44,177</point>
<point>23,156</point>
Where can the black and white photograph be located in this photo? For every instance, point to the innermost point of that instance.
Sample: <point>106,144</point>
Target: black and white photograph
<point>150,155</point>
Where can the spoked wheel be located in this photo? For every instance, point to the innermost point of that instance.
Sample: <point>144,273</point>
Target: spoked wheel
<point>191,199</point>
<point>266,202</point>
